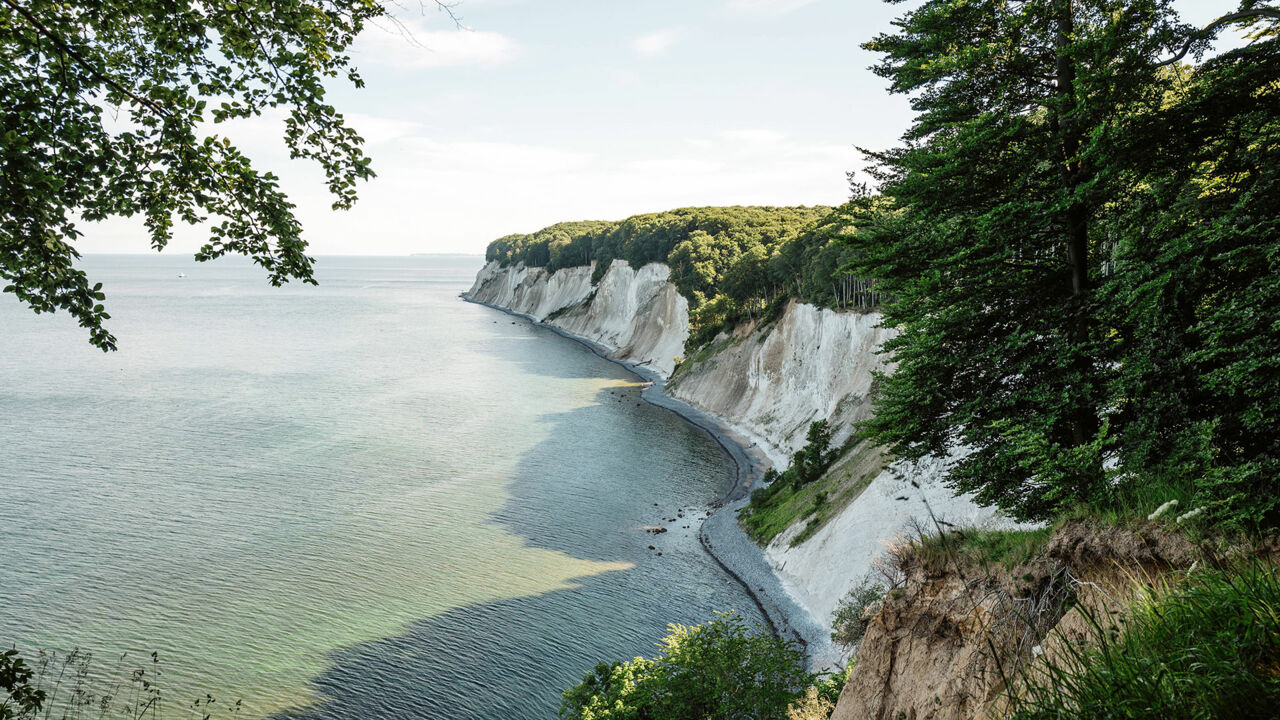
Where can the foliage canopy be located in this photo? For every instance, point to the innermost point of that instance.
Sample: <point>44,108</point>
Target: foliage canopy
<point>23,697</point>
<point>731,263</point>
<point>105,113</point>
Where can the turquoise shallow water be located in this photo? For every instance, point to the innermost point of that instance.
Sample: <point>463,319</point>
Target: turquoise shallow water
<point>362,499</point>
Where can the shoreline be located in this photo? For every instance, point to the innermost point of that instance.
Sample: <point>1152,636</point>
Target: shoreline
<point>719,533</point>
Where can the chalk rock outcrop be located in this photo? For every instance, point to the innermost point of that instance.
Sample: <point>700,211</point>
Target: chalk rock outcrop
<point>636,315</point>
<point>823,569</point>
<point>767,381</point>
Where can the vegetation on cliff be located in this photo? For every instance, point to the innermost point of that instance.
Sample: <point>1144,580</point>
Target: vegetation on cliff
<point>1090,618</point>
<point>783,499</point>
<point>1078,241</point>
<point>1204,646</point>
<point>730,263</point>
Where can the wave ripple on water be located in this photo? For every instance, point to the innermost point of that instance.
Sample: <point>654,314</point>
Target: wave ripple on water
<point>363,499</point>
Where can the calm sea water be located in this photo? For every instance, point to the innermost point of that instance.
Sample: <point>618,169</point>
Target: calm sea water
<point>366,499</point>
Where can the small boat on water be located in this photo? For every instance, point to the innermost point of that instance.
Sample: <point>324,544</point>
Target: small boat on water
<point>182,275</point>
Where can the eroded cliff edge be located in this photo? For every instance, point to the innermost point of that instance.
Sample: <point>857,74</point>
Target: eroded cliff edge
<point>954,633</point>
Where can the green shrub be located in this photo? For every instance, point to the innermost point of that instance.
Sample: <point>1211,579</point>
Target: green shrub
<point>813,460</point>
<point>1208,649</point>
<point>762,496</point>
<point>820,699</point>
<point>617,691</point>
<point>719,670</point>
<point>853,614</point>
<point>819,501</point>
<point>23,697</point>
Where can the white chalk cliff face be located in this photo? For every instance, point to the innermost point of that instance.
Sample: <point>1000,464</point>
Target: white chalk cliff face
<point>637,315</point>
<point>531,291</point>
<point>773,381</point>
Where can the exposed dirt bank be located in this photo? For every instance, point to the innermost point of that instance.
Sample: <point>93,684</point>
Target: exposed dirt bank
<point>952,630</point>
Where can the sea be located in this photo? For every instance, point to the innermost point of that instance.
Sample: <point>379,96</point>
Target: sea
<point>367,498</point>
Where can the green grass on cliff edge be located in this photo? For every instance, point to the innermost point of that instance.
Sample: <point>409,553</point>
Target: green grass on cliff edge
<point>818,502</point>
<point>969,546</point>
<point>1206,647</point>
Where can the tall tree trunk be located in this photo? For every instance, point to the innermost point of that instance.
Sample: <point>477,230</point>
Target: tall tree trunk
<point>1085,423</point>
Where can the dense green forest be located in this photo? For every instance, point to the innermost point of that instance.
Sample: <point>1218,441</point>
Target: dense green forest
<point>731,263</point>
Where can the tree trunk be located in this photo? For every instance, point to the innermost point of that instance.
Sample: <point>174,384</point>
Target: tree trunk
<point>1084,424</point>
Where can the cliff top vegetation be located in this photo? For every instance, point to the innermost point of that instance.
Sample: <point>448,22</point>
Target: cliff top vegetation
<point>1082,255</point>
<point>731,263</point>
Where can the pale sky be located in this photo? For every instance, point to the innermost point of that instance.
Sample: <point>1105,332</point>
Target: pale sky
<point>556,110</point>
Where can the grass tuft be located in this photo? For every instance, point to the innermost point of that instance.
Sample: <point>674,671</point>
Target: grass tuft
<point>1009,548</point>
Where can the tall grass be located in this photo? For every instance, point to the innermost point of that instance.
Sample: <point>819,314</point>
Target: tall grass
<point>73,686</point>
<point>1207,648</point>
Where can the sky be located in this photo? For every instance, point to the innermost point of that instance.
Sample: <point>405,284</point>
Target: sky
<point>539,111</point>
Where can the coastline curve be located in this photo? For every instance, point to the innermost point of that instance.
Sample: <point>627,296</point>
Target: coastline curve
<point>719,533</point>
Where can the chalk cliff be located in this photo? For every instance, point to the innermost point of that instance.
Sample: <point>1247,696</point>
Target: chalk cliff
<point>940,645</point>
<point>636,315</point>
<point>820,571</point>
<point>531,291</point>
<point>773,379</point>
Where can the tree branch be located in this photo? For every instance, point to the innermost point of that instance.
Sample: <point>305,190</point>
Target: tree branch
<point>447,8</point>
<point>66,48</point>
<point>1209,30</point>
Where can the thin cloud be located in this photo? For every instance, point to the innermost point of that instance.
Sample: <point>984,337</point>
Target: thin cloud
<point>379,130</point>
<point>656,43</point>
<point>439,194</point>
<point>766,7</point>
<point>754,137</point>
<point>410,45</point>
<point>488,157</point>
